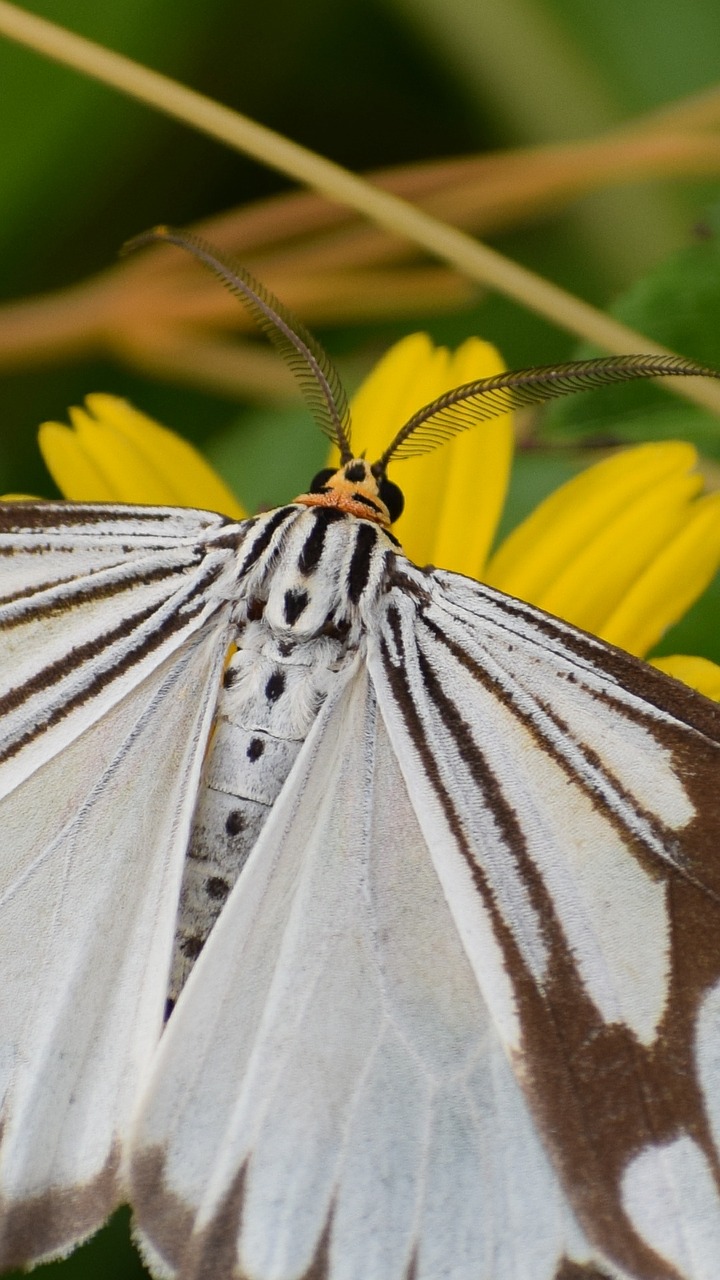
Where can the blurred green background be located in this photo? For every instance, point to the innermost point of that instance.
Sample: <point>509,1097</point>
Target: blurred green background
<point>369,83</point>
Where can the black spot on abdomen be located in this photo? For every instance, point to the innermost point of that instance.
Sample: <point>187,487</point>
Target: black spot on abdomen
<point>191,947</point>
<point>235,822</point>
<point>217,888</point>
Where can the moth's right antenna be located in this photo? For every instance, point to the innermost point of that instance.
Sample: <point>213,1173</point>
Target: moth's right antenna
<point>318,378</point>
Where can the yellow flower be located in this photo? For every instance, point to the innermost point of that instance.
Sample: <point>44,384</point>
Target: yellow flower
<point>621,550</point>
<point>114,453</point>
<point>455,496</point>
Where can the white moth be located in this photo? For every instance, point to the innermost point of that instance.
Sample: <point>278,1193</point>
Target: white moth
<point>459,1016</point>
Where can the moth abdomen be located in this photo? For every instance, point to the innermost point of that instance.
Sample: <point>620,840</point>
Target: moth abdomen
<point>244,773</point>
<point>292,650</point>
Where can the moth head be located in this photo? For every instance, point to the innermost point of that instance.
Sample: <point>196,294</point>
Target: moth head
<point>361,488</point>
<point>356,489</point>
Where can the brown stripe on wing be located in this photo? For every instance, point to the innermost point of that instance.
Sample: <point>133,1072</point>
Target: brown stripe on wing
<point>102,523</point>
<point>64,592</point>
<point>626,671</point>
<point>569,1270</point>
<point>168,1223</point>
<point>647,836</point>
<point>669,1099</point>
<point>50,1224</point>
<point>630,683</point>
<point>171,1217</point>
<point>16,517</point>
<point>85,661</point>
<point>598,1095</point>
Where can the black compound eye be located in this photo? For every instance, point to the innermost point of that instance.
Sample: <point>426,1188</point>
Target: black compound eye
<point>393,498</point>
<point>319,482</point>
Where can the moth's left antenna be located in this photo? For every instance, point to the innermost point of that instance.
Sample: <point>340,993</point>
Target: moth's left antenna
<point>316,374</point>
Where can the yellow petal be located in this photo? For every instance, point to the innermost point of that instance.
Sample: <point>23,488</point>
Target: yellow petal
<point>598,575</point>
<point>475,471</point>
<point>402,381</point>
<point>454,495</point>
<point>75,474</point>
<point>581,550</point>
<point>677,574</point>
<point>699,673</point>
<point>115,453</point>
<point>423,480</point>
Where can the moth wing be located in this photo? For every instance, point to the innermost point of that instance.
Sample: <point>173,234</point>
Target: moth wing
<point>93,599</point>
<point>95,828</point>
<point>331,1097</point>
<point>569,797</point>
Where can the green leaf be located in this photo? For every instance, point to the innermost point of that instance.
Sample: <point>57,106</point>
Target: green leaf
<point>69,145</point>
<point>677,304</point>
<point>268,456</point>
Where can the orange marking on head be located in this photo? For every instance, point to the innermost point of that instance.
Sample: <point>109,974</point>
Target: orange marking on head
<point>357,497</point>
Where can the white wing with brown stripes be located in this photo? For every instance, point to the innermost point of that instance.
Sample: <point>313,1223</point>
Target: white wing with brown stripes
<point>331,1097</point>
<point>459,1017</point>
<point>94,599</point>
<point>568,795</point>
<point>111,647</point>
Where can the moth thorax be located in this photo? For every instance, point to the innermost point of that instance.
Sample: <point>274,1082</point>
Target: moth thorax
<point>356,490</point>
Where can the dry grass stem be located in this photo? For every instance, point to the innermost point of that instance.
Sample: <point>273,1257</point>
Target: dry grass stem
<point>318,252</point>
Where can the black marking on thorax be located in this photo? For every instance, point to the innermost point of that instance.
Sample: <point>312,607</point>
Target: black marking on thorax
<point>365,501</point>
<point>312,548</point>
<point>359,571</point>
<point>293,605</point>
<point>264,538</point>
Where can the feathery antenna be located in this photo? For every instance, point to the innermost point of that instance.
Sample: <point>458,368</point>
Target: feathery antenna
<point>487,398</point>
<point>316,374</point>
